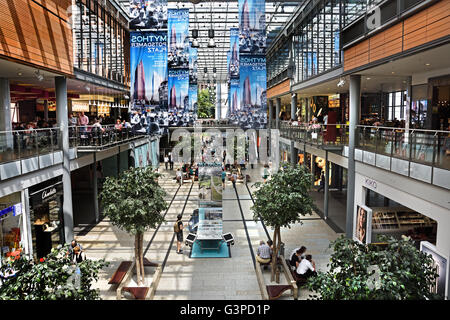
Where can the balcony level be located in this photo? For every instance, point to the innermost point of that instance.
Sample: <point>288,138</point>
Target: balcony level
<point>419,154</point>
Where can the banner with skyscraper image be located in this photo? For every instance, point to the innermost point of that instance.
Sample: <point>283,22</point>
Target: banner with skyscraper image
<point>148,62</point>
<point>178,38</point>
<point>252,112</point>
<point>148,14</point>
<point>233,100</point>
<point>179,111</point>
<point>252,26</point>
<point>233,65</point>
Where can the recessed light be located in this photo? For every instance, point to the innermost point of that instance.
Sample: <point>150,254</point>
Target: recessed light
<point>19,74</point>
<point>428,64</point>
<point>392,72</point>
<point>368,78</point>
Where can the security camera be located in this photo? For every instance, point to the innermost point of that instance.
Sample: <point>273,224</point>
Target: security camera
<point>341,83</point>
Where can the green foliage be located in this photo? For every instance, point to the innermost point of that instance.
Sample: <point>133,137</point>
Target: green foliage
<point>134,201</point>
<point>396,271</point>
<point>284,198</point>
<point>206,104</point>
<point>51,278</point>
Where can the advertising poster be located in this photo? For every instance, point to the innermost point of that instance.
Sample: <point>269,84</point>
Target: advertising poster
<point>442,268</point>
<point>363,230</point>
<point>252,95</point>
<point>154,156</point>
<point>148,14</point>
<point>336,45</point>
<point>252,26</point>
<point>233,64</point>
<point>178,38</point>
<point>233,99</point>
<point>178,90</point>
<point>193,65</point>
<point>193,98</point>
<point>148,61</point>
<point>210,181</point>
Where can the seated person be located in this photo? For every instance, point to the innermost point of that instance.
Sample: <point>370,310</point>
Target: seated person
<point>294,258</point>
<point>307,267</point>
<point>263,253</point>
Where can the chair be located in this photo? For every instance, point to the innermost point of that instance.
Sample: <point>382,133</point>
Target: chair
<point>190,239</point>
<point>228,238</point>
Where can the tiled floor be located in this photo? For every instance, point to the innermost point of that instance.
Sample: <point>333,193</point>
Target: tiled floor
<point>204,279</point>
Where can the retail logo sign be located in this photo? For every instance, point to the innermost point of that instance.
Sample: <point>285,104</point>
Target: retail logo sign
<point>48,193</point>
<point>371,183</point>
<point>373,18</point>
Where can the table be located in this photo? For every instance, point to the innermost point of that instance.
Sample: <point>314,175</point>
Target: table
<point>209,234</point>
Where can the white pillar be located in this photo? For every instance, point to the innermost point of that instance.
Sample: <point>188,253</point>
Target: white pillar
<point>5,114</point>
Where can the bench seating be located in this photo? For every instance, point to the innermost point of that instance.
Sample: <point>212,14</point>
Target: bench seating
<point>138,293</point>
<point>118,276</point>
<point>148,263</point>
<point>275,291</point>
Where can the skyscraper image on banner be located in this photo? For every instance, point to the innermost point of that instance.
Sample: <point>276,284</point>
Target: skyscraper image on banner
<point>193,65</point>
<point>178,38</point>
<point>233,65</point>
<point>148,62</point>
<point>148,14</point>
<point>233,100</point>
<point>193,98</point>
<point>252,26</point>
<point>178,90</point>
<point>252,86</point>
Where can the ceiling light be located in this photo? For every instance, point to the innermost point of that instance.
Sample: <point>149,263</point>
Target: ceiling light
<point>38,75</point>
<point>368,78</point>
<point>211,43</point>
<point>19,74</point>
<point>428,64</point>
<point>341,82</point>
<point>195,43</point>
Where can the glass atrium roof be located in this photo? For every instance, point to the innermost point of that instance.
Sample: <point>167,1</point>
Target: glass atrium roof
<point>221,15</point>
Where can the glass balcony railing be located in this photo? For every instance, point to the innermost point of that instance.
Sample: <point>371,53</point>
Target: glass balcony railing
<point>21,144</point>
<point>428,147</point>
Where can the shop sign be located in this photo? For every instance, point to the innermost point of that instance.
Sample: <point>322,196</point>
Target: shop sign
<point>46,194</point>
<point>14,209</point>
<point>371,183</point>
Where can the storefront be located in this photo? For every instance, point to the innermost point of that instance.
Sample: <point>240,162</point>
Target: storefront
<point>46,216</point>
<point>13,229</point>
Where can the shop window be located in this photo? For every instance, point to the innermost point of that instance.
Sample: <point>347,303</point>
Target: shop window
<point>11,226</point>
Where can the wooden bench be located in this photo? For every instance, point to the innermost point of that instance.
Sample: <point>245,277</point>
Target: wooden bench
<point>138,293</point>
<point>118,276</point>
<point>148,263</point>
<point>275,291</point>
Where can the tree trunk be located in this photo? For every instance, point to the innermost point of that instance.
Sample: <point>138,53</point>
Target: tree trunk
<point>274,255</point>
<point>141,256</point>
<point>278,250</point>
<point>136,257</point>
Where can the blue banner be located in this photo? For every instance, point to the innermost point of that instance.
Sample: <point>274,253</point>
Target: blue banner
<point>233,99</point>
<point>148,14</point>
<point>233,65</point>
<point>178,90</point>
<point>252,86</point>
<point>142,156</point>
<point>252,26</point>
<point>178,38</point>
<point>148,62</point>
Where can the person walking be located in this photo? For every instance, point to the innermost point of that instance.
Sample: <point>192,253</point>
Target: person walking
<point>234,178</point>
<point>170,161</point>
<point>266,172</point>
<point>224,176</point>
<point>166,161</point>
<point>179,176</point>
<point>178,229</point>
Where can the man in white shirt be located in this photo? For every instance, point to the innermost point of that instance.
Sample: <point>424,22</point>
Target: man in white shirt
<point>307,267</point>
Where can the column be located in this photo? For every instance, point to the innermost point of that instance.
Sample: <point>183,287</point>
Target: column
<point>277,112</point>
<point>219,99</point>
<point>294,107</point>
<point>326,187</point>
<point>294,154</point>
<point>5,113</point>
<point>270,112</point>
<point>95,189</point>
<point>307,106</point>
<point>62,120</point>
<point>355,107</point>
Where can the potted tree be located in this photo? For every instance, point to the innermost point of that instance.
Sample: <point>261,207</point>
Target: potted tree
<point>283,200</point>
<point>134,203</point>
<point>391,270</point>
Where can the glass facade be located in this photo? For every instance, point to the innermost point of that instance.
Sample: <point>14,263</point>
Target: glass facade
<point>100,42</point>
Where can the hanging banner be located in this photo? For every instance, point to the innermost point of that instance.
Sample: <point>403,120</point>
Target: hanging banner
<point>252,86</point>
<point>233,65</point>
<point>148,60</point>
<point>154,153</point>
<point>193,65</point>
<point>233,99</point>
<point>148,14</point>
<point>252,26</point>
<point>193,98</point>
<point>178,90</point>
<point>178,38</point>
